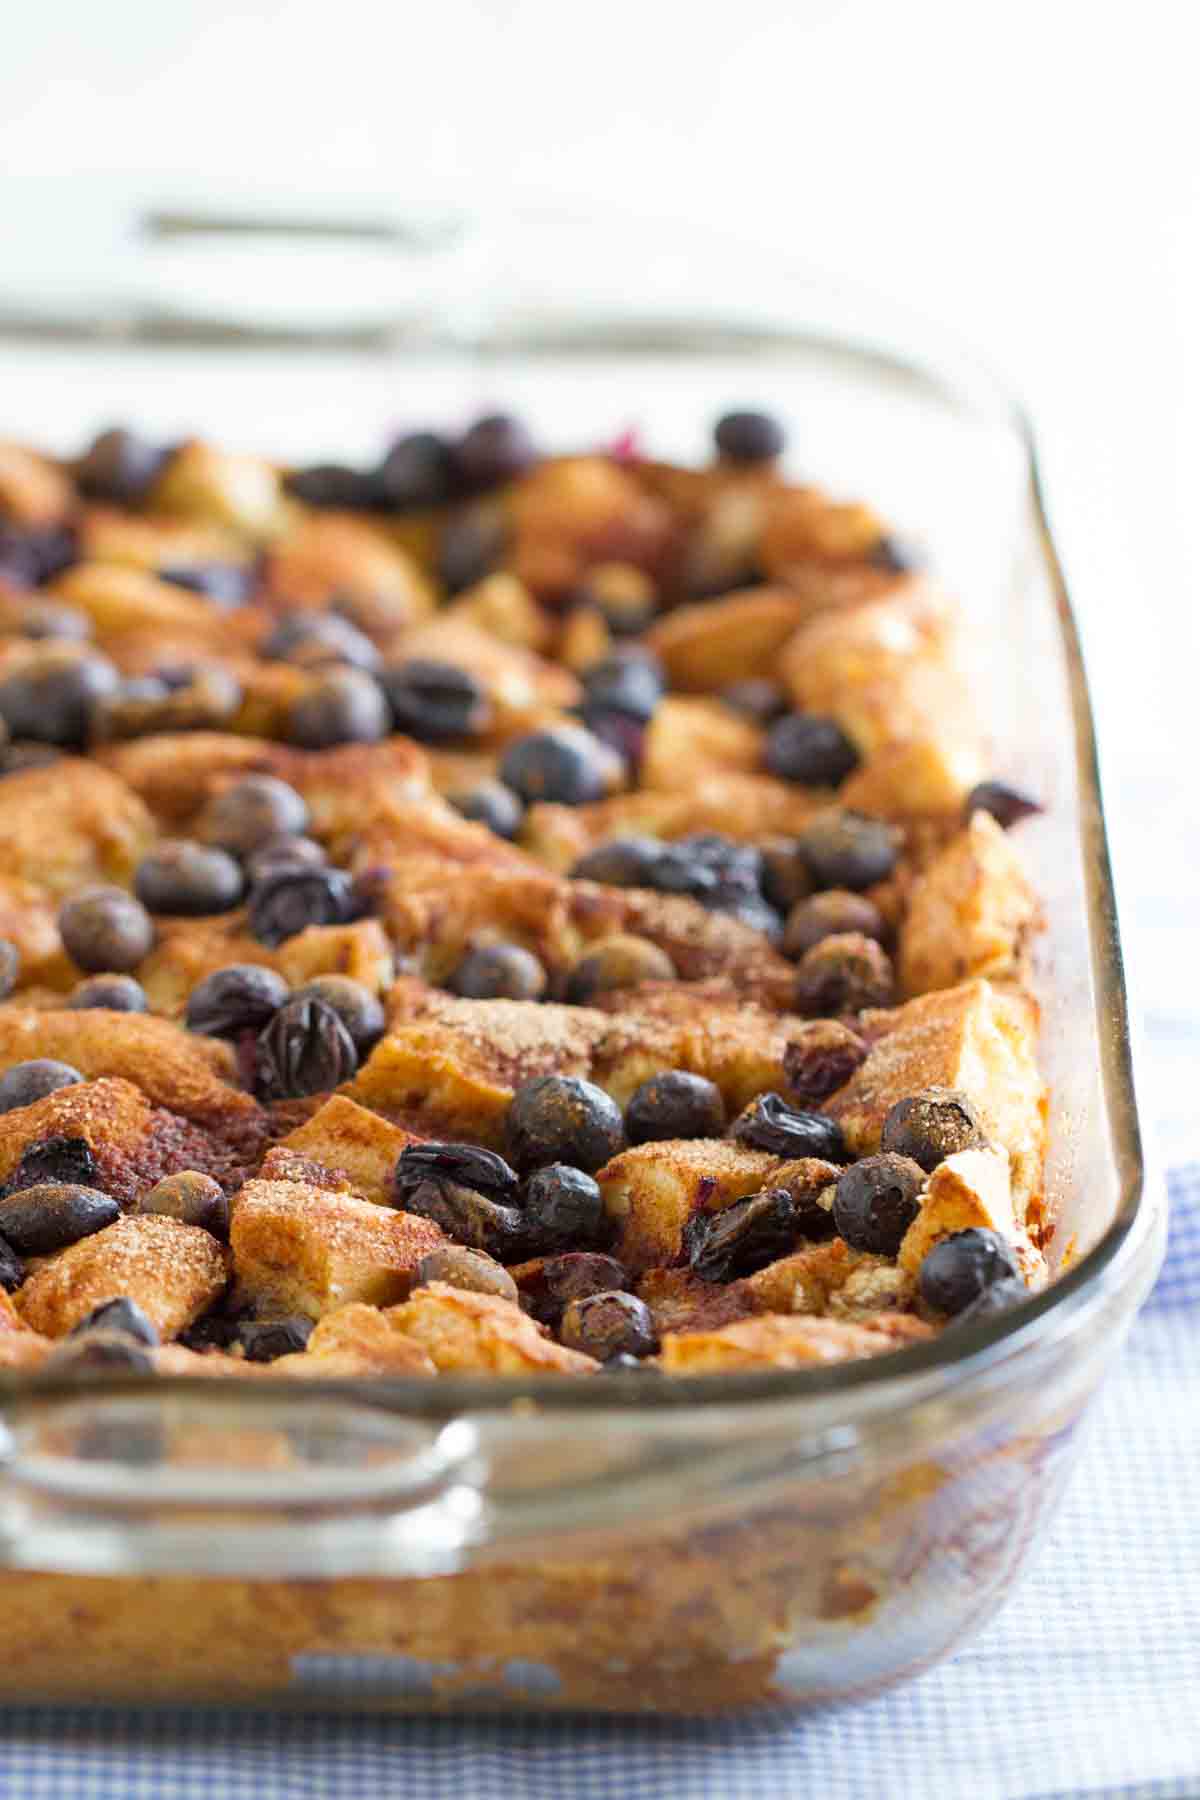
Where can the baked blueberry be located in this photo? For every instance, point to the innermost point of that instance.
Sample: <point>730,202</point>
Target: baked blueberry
<point>607,1325</point>
<point>343,706</point>
<point>959,1268</point>
<point>119,467</point>
<point>418,471</point>
<point>809,749</point>
<point>52,1214</point>
<point>303,1049</point>
<point>284,852</point>
<point>360,1011</point>
<point>459,1267</point>
<point>561,1118</point>
<point>831,914</point>
<point>1000,1297</point>
<point>499,972</point>
<point>622,862</point>
<point>468,548</point>
<point>468,1191</point>
<point>53,620</point>
<point>101,1352</point>
<point>492,804</point>
<point>786,877</point>
<point>617,962</point>
<point>32,555</point>
<point>623,595</point>
<point>1007,805</point>
<point>737,1240</point>
<point>749,437</point>
<point>846,850</point>
<point>758,699</point>
<point>843,974</point>
<point>239,998</point>
<point>770,1124</point>
<point>226,584</point>
<point>495,449</point>
<point>50,699</point>
<point>435,702</point>
<point>563,764</point>
<point>57,1159</point>
<point>562,1208</point>
<point>820,1058</point>
<point>253,809</point>
<point>264,1340</point>
<point>331,484</point>
<point>893,556</point>
<point>187,880</point>
<point>312,639</point>
<point>631,684</point>
<point>105,929</point>
<point>876,1200</point>
<point>547,1293</point>
<point>932,1125</point>
<point>674,1104</point>
<point>191,1197</point>
<point>113,993</point>
<point>12,1269</point>
<point>26,1082</point>
<point>292,898</point>
<point>121,1314</point>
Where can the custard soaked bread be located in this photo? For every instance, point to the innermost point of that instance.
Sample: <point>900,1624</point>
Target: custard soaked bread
<point>495,913</point>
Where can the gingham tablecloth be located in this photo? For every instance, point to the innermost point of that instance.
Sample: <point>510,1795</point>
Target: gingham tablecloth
<point>1086,1685</point>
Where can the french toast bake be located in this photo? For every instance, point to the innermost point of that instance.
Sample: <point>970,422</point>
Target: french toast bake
<point>496,912</point>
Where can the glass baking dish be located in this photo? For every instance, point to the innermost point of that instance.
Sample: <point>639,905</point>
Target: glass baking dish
<point>683,1546</point>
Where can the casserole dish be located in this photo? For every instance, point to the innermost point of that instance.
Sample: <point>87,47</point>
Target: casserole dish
<point>687,1546</point>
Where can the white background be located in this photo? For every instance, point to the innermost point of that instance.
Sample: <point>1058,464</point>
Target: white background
<point>1027,174</point>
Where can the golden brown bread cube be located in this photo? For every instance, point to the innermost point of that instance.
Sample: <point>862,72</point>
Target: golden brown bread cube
<point>303,1249</point>
<point>175,1069</point>
<point>970,912</point>
<point>803,526</point>
<point>71,823</point>
<point>173,1271</point>
<point>153,541</point>
<point>29,921</point>
<point>972,1190</point>
<point>356,1340</point>
<point>221,487</point>
<point>351,1141</point>
<point>829,1278</point>
<point>699,1027</point>
<point>701,944</point>
<point>321,555</point>
<point>707,647</point>
<point>882,670</point>
<point>517,682</point>
<point>918,777</point>
<point>652,1190</point>
<point>690,737</point>
<point>462,1332</point>
<point>453,1072</point>
<point>33,491</point>
<point>123,601</point>
<point>974,1037</point>
<point>773,1342</point>
<point>680,1301</point>
<point>503,607</point>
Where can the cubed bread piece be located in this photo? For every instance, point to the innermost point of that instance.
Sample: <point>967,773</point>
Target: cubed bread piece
<point>503,607</point>
<point>774,1342</point>
<point>463,1331</point>
<point>828,1278</point>
<point>221,487</point>
<point>714,643</point>
<point>356,1340</point>
<point>321,555</point>
<point>29,921</point>
<point>121,602</point>
<point>492,901</point>
<point>651,1191</point>
<point>969,913</point>
<point>919,777</point>
<point>689,738</point>
<point>71,823</point>
<point>803,526</point>
<point>34,492</point>
<point>302,1249</point>
<point>152,541</point>
<point>173,1271</point>
<point>697,1027</point>
<point>453,1073</point>
<point>347,1139</point>
<point>680,1301</point>
<point>360,950</point>
<point>176,1069</point>
<point>971,1189</point>
<point>883,670</point>
<point>974,1037</point>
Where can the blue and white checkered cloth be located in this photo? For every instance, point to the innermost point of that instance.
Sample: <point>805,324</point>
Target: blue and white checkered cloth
<point>1086,1685</point>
